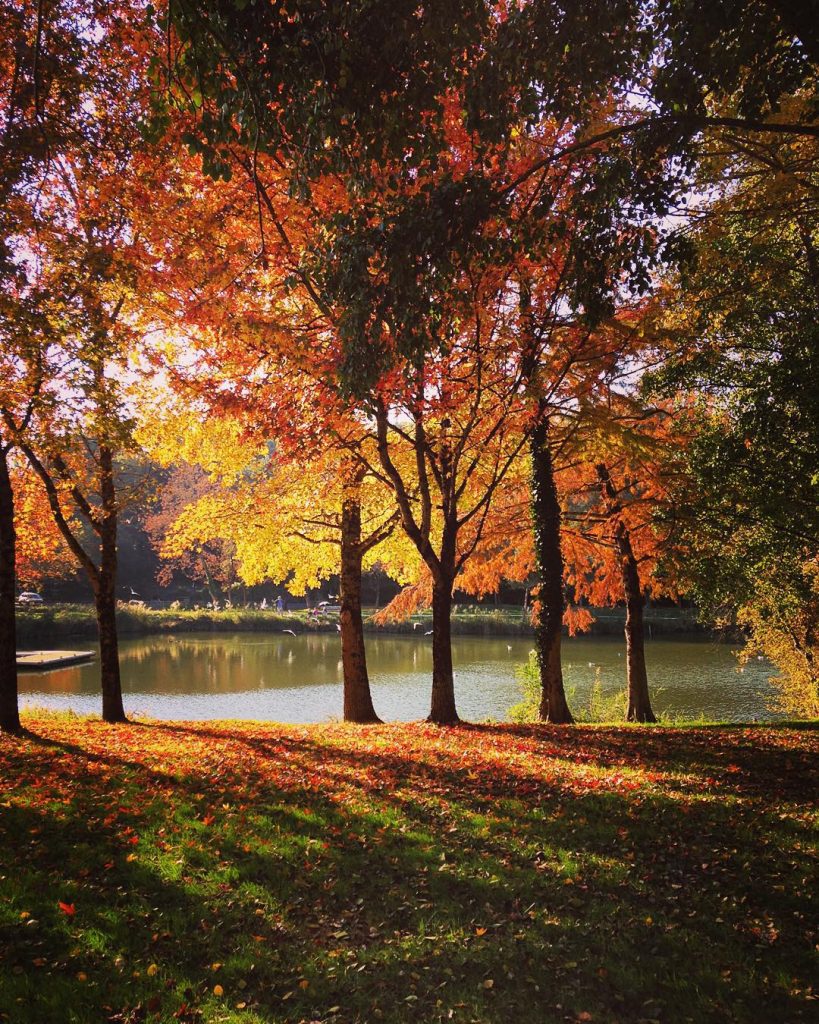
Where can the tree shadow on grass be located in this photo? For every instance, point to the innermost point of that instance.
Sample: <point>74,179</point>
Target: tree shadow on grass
<point>386,884</point>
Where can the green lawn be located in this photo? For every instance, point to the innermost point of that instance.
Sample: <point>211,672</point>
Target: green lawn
<point>264,873</point>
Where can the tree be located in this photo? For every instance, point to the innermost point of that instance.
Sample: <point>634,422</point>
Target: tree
<point>288,83</point>
<point>41,71</point>
<point>639,703</point>
<point>87,482</point>
<point>745,322</point>
<point>455,424</point>
<point>41,549</point>
<point>73,245</point>
<point>409,213</point>
<point>19,395</point>
<point>210,563</point>
<point>9,715</point>
<point>286,520</point>
<point>616,490</point>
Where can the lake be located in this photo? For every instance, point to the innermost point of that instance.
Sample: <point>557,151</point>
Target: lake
<point>278,677</point>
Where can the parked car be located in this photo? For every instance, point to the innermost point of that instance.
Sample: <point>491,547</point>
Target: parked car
<point>30,598</point>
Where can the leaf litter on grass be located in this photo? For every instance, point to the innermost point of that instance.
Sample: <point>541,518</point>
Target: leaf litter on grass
<point>406,873</point>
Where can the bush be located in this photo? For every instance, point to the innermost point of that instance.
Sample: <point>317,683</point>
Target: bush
<point>784,625</point>
<point>601,706</point>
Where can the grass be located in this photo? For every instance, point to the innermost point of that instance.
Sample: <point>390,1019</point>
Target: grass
<point>601,706</point>
<point>56,621</point>
<point>53,622</point>
<point>226,872</point>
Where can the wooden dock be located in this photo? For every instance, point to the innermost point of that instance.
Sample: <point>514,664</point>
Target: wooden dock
<point>42,661</point>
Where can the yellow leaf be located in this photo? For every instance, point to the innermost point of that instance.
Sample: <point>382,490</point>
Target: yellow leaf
<point>152,970</point>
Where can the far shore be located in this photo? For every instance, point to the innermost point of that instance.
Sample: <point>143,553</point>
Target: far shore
<point>56,622</point>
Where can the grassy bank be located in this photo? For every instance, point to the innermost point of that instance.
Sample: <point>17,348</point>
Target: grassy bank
<point>249,873</point>
<point>55,622</point>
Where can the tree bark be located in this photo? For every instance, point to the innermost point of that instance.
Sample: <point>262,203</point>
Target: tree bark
<point>442,708</point>
<point>639,702</point>
<point>554,707</point>
<point>442,566</point>
<point>358,704</point>
<point>105,596</point>
<point>9,710</point>
<point>106,606</point>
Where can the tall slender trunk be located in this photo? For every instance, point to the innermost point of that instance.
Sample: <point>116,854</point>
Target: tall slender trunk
<point>549,567</point>
<point>442,707</point>
<point>9,712</point>
<point>639,702</point>
<point>358,704</point>
<point>442,567</point>
<point>106,606</point>
<point>102,576</point>
<point>105,596</point>
<point>209,583</point>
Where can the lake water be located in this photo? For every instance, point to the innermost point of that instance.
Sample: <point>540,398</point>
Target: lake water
<point>279,677</point>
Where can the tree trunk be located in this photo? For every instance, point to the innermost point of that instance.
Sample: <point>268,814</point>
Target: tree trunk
<point>106,605</point>
<point>442,709</point>
<point>549,567</point>
<point>9,713</point>
<point>358,704</point>
<point>105,594</point>
<point>639,703</point>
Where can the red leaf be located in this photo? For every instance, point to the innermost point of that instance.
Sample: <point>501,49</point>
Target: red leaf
<point>68,909</point>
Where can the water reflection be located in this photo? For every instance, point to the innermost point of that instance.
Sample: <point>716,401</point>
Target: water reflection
<point>298,679</point>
